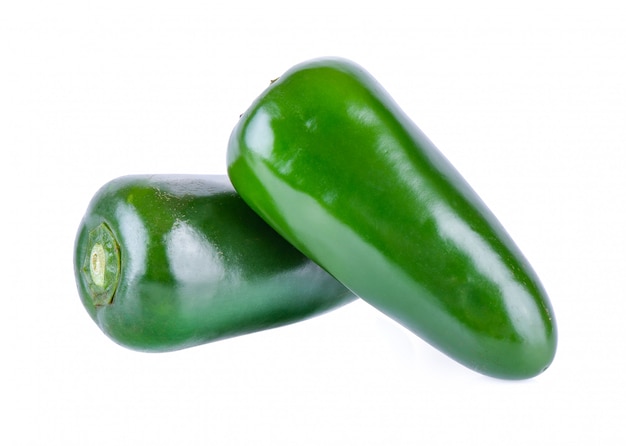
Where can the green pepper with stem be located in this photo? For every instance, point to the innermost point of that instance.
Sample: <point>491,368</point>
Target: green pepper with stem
<point>332,163</point>
<point>166,262</point>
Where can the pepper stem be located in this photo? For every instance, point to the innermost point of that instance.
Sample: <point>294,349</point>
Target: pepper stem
<point>101,267</point>
<point>98,264</point>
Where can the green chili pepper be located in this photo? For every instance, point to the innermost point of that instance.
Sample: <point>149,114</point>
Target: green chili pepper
<point>331,162</point>
<point>165,262</point>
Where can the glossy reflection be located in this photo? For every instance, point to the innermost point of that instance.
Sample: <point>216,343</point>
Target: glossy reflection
<point>132,230</point>
<point>517,302</point>
<point>260,137</point>
<point>192,257</point>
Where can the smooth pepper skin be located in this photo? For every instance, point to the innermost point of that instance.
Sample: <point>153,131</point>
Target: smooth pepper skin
<point>332,163</point>
<point>166,262</point>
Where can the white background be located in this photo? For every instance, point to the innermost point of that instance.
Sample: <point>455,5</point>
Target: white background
<point>528,101</point>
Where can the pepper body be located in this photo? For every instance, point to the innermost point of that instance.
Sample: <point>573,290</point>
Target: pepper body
<point>332,163</point>
<point>165,262</point>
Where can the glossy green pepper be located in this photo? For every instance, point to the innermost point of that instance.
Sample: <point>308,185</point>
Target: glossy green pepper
<point>332,163</point>
<point>165,262</point>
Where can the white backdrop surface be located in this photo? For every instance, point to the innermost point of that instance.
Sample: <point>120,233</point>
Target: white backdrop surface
<point>528,101</point>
